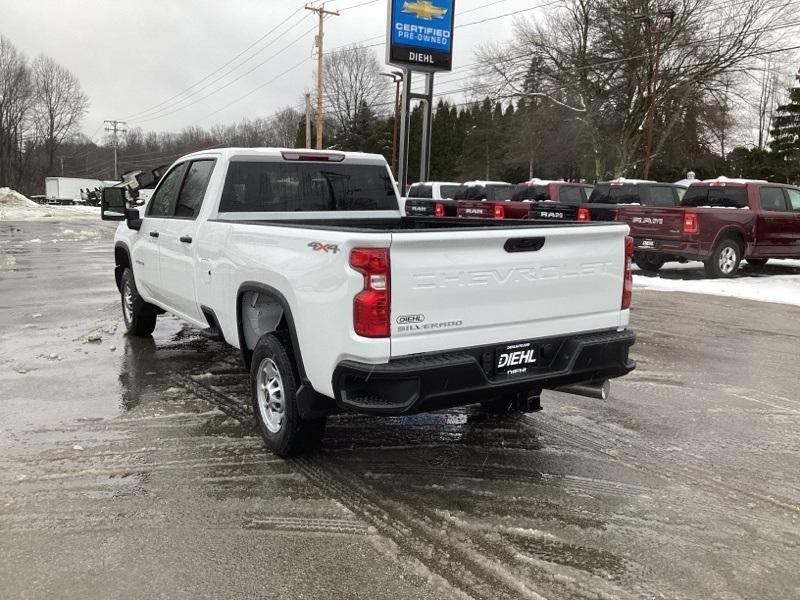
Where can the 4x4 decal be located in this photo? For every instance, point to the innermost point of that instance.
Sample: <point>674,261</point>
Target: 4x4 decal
<point>323,247</point>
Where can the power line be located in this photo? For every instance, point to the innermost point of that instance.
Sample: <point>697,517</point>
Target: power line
<point>263,37</point>
<point>192,103</point>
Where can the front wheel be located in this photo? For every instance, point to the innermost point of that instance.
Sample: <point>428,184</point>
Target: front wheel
<point>140,316</point>
<point>725,259</point>
<point>648,262</point>
<point>273,381</point>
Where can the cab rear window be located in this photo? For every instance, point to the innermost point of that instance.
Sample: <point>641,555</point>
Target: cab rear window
<point>535,193</point>
<point>259,186</point>
<point>449,191</point>
<point>615,194</point>
<point>729,196</point>
<point>420,191</point>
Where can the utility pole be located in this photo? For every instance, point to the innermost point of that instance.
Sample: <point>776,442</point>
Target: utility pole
<point>321,12</point>
<point>648,23</point>
<point>397,77</point>
<point>61,158</point>
<point>308,120</point>
<point>114,128</point>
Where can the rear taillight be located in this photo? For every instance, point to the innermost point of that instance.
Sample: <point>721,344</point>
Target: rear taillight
<point>690,224</point>
<point>627,282</point>
<point>499,211</point>
<point>583,214</point>
<point>438,209</point>
<point>371,307</point>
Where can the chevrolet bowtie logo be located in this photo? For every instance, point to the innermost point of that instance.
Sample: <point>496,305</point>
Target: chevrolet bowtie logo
<point>424,9</point>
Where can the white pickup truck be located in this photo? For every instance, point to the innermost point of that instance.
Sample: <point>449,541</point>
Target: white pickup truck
<point>302,260</point>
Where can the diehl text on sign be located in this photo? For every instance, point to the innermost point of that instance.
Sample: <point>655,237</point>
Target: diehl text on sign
<point>420,34</point>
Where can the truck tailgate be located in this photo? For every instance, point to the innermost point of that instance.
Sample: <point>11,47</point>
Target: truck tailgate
<point>462,288</point>
<point>554,211</point>
<point>652,223</point>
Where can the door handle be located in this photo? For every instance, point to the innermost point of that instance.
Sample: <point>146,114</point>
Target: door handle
<point>153,234</point>
<point>186,239</point>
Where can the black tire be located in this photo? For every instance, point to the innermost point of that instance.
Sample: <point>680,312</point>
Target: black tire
<point>724,260</point>
<point>285,433</point>
<point>758,263</point>
<point>139,316</point>
<point>649,262</point>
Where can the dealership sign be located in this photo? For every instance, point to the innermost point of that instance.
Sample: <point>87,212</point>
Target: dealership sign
<point>420,35</point>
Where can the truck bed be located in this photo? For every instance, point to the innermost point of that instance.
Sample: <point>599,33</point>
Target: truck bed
<point>407,224</point>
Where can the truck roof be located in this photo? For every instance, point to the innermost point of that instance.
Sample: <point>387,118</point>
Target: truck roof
<point>622,180</point>
<point>435,182</point>
<point>357,157</point>
<point>537,181</point>
<point>722,180</point>
<point>480,182</point>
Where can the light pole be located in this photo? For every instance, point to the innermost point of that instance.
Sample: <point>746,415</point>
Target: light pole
<point>397,77</point>
<point>647,22</point>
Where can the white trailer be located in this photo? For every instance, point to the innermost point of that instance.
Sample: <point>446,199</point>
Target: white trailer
<point>67,190</point>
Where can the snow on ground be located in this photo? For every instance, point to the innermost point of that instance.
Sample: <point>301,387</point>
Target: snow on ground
<point>16,207</point>
<point>778,282</point>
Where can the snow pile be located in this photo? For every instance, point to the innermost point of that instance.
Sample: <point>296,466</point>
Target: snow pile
<point>16,207</point>
<point>12,199</point>
<point>782,285</point>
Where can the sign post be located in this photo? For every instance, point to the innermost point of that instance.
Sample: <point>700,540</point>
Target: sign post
<point>419,38</point>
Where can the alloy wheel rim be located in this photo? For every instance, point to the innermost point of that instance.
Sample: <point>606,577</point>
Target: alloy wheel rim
<point>727,259</point>
<point>127,301</point>
<point>269,391</point>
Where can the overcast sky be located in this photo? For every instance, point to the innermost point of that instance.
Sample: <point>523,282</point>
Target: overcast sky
<point>132,55</point>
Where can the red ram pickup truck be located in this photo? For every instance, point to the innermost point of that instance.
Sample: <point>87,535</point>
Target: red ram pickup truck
<point>719,221</point>
<point>535,199</point>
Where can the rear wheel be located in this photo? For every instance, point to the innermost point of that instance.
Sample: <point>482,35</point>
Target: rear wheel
<point>758,263</point>
<point>140,316</point>
<point>648,262</point>
<point>273,380</point>
<point>725,259</point>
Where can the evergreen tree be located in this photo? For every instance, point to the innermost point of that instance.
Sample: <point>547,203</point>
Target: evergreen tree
<point>785,134</point>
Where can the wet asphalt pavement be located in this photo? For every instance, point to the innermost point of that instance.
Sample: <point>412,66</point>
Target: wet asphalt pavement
<point>129,468</point>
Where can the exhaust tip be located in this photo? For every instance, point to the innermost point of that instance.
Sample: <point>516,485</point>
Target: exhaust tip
<point>591,389</point>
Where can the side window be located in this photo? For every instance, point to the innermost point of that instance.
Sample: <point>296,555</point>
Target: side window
<point>772,199</point>
<point>661,195</point>
<point>194,188</point>
<point>794,198</point>
<point>163,202</point>
<point>570,194</point>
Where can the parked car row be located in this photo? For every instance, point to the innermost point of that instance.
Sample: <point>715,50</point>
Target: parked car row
<point>538,199</point>
<point>720,222</point>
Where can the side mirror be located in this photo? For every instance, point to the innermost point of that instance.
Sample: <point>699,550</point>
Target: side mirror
<point>113,204</point>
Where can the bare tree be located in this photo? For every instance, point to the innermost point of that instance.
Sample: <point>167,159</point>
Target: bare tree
<point>284,127</point>
<point>609,62</point>
<point>767,99</point>
<point>60,104</point>
<point>352,80</point>
<point>15,102</point>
